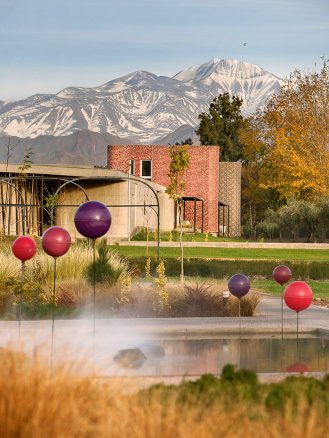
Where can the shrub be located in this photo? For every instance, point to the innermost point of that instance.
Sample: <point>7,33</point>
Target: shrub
<point>162,297</point>
<point>67,299</point>
<point>219,269</point>
<point>248,305</point>
<point>108,266</point>
<point>236,405</point>
<point>198,300</point>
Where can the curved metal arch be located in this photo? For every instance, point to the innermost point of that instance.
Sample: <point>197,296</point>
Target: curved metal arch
<point>42,178</point>
<point>142,181</point>
<point>67,182</point>
<point>32,177</point>
<point>75,181</point>
<point>23,206</point>
<point>118,179</point>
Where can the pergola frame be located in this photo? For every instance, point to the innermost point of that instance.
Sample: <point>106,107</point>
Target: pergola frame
<point>76,181</point>
<point>194,199</point>
<point>224,208</point>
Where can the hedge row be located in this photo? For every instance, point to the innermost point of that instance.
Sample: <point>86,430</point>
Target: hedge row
<point>225,268</point>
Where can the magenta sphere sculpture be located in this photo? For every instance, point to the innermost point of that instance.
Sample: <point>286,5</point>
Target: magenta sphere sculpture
<point>24,248</point>
<point>239,285</point>
<point>298,296</point>
<point>282,274</point>
<point>56,241</point>
<point>92,219</point>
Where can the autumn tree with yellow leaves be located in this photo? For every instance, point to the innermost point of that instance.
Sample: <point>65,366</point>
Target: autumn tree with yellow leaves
<point>286,145</point>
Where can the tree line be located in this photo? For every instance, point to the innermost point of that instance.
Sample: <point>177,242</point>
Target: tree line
<point>284,148</point>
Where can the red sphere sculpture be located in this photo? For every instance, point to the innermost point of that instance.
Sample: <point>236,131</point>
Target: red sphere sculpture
<point>282,274</point>
<point>24,248</point>
<point>56,241</point>
<point>298,296</point>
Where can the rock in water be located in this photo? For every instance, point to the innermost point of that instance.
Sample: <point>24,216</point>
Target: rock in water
<point>130,358</point>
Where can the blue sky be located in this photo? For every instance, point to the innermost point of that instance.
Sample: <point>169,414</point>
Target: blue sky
<point>46,45</point>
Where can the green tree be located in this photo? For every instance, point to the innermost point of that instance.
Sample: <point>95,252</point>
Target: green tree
<point>187,141</point>
<point>221,126</point>
<point>291,216</point>
<point>179,162</point>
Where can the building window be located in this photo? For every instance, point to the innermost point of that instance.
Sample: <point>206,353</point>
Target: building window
<point>132,167</point>
<point>146,169</point>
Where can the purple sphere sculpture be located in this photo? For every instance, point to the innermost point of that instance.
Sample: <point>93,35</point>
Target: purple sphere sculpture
<point>56,241</point>
<point>282,274</point>
<point>92,219</point>
<point>239,285</point>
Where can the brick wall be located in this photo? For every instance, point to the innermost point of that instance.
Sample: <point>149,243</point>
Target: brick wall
<point>202,176</point>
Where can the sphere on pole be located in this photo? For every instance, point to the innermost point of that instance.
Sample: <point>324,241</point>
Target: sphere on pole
<point>282,274</point>
<point>239,285</point>
<point>56,241</point>
<point>92,219</point>
<point>298,296</point>
<point>24,248</point>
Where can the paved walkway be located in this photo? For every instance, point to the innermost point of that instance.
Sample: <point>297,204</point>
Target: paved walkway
<point>267,320</point>
<point>267,245</point>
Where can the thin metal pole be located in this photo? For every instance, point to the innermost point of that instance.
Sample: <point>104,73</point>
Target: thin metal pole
<point>240,316</point>
<point>282,313</point>
<point>158,235</point>
<point>129,219</point>
<point>194,215</point>
<point>20,300</point>
<point>297,340</point>
<point>94,281</point>
<point>53,302</point>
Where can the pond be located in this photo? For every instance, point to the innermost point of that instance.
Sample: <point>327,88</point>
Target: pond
<point>140,348</point>
<point>190,357</point>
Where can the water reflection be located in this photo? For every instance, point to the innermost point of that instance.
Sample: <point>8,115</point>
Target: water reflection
<point>267,355</point>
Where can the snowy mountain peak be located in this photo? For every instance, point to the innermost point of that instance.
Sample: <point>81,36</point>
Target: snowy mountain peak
<point>217,68</point>
<point>137,77</point>
<point>139,106</point>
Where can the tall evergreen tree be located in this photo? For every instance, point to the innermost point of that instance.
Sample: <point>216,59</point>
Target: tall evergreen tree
<point>221,126</point>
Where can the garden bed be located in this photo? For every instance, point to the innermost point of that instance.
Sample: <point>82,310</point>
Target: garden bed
<point>120,289</point>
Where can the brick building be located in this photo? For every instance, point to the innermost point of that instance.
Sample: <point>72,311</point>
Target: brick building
<point>203,206</point>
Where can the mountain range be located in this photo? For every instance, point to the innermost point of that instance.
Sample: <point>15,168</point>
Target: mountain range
<point>140,107</point>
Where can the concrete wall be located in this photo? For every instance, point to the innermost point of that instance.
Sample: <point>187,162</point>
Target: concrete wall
<point>44,180</point>
<point>201,176</point>
<point>123,218</point>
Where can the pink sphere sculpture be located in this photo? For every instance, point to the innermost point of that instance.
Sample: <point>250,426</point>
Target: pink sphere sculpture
<point>92,219</point>
<point>298,296</point>
<point>56,241</point>
<point>239,285</point>
<point>24,248</point>
<point>282,274</point>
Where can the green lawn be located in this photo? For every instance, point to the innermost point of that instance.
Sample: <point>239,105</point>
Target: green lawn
<point>320,288</point>
<point>230,253</point>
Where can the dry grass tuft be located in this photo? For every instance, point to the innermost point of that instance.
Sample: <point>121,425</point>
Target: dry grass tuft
<point>35,402</point>
<point>249,304</point>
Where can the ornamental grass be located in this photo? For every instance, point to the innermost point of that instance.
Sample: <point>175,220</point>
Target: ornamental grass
<point>36,401</point>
